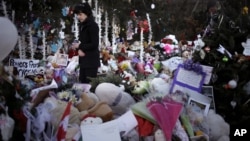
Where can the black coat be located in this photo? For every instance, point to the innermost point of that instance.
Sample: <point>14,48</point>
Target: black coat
<point>89,38</point>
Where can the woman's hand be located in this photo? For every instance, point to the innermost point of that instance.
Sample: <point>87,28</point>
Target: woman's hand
<point>81,53</point>
<point>75,45</point>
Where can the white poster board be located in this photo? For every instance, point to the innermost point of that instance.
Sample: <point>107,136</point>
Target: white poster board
<point>24,66</point>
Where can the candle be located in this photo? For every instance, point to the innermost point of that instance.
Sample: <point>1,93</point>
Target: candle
<point>150,30</point>
<point>114,28</point>
<point>106,29</point>
<point>31,44</point>
<point>44,46</point>
<point>141,46</point>
<point>23,46</point>
<point>30,5</point>
<point>20,47</point>
<point>76,28</point>
<point>13,16</point>
<point>99,22</point>
<point>4,9</point>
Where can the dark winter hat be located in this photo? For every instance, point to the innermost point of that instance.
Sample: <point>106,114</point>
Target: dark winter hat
<point>211,3</point>
<point>83,8</point>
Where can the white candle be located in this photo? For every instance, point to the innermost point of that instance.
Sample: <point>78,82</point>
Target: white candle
<point>99,22</point>
<point>141,46</point>
<point>114,28</point>
<point>13,16</point>
<point>106,29</point>
<point>23,46</point>
<point>20,47</point>
<point>44,46</point>
<point>4,9</point>
<point>30,5</point>
<point>31,44</point>
<point>96,10</point>
<point>150,30</point>
<point>76,28</point>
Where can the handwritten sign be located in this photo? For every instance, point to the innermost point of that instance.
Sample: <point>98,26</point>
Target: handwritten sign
<point>187,79</point>
<point>25,66</point>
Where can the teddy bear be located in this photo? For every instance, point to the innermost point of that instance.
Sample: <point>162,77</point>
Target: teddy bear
<point>91,120</point>
<point>170,65</point>
<point>89,102</point>
<point>56,109</point>
<point>159,85</point>
<point>218,129</point>
<point>93,129</point>
<point>119,100</point>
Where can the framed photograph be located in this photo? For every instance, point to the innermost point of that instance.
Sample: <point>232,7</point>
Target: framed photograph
<point>209,92</point>
<point>199,105</point>
<point>62,59</point>
<point>198,101</point>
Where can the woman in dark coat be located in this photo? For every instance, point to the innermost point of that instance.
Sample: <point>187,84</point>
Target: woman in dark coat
<point>88,47</point>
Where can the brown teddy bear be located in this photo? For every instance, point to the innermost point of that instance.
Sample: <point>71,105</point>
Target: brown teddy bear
<point>98,108</point>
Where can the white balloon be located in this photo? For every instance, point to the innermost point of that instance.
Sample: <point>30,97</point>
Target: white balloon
<point>8,37</point>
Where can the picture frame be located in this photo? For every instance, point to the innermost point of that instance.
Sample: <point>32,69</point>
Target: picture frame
<point>209,92</point>
<point>199,105</point>
<point>62,59</point>
<point>198,101</point>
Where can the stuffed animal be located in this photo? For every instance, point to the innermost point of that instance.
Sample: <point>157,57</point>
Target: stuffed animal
<point>103,110</point>
<point>73,133</point>
<point>171,64</point>
<point>89,102</point>
<point>159,135</point>
<point>57,108</point>
<point>159,85</point>
<point>85,102</point>
<point>218,129</point>
<point>91,120</point>
<point>119,100</point>
<point>142,87</point>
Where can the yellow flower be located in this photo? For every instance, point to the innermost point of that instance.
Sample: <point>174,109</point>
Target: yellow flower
<point>73,98</point>
<point>63,95</point>
<point>245,10</point>
<point>124,65</point>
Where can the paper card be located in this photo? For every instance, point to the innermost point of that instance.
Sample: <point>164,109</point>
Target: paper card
<point>131,53</point>
<point>62,59</point>
<point>222,50</point>
<point>209,92</point>
<point>208,70</point>
<point>187,79</point>
<point>81,87</point>
<point>246,51</point>
<point>197,100</point>
<point>172,63</point>
<point>127,122</point>
<point>107,131</point>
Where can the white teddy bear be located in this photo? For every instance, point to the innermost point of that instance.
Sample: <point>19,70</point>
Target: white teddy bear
<point>91,121</point>
<point>218,129</point>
